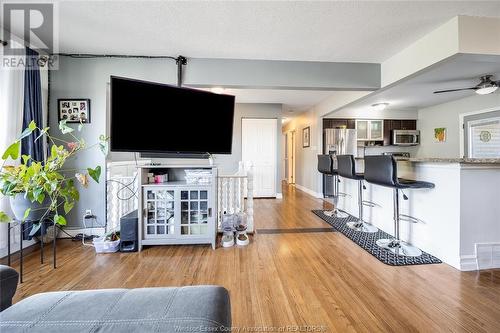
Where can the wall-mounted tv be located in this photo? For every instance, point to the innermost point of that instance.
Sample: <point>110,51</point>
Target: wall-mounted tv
<point>150,117</point>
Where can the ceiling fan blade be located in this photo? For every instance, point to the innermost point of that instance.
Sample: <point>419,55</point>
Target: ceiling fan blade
<point>451,90</point>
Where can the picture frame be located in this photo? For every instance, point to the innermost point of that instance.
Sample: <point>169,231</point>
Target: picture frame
<point>440,134</point>
<point>306,137</point>
<point>74,110</point>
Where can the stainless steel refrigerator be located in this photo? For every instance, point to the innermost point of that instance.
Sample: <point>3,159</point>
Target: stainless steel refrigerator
<point>338,141</point>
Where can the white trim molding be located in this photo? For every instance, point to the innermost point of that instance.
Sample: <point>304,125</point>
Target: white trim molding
<point>309,191</point>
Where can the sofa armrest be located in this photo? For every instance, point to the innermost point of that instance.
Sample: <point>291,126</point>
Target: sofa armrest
<point>8,285</point>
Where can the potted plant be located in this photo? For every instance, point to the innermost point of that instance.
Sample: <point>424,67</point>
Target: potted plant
<point>40,189</point>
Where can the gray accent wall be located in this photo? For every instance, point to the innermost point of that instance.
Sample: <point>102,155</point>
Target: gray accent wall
<point>89,78</point>
<point>448,115</point>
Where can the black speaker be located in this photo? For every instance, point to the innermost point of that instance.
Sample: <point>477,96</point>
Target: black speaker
<point>129,240</point>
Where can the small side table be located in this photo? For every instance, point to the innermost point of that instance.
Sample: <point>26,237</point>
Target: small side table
<point>22,225</point>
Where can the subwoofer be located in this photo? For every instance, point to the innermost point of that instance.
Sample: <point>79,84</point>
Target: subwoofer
<point>129,240</point>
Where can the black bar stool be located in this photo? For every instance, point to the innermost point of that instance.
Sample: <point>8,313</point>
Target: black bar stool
<point>326,167</point>
<point>382,170</point>
<point>347,169</point>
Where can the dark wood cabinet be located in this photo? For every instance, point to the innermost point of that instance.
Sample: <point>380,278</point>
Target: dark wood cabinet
<point>408,124</point>
<point>389,126</point>
<point>339,123</point>
<point>397,124</point>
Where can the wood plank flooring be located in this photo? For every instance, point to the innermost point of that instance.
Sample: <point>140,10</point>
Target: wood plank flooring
<point>307,279</point>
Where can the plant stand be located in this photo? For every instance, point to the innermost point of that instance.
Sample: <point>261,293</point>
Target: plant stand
<point>22,225</point>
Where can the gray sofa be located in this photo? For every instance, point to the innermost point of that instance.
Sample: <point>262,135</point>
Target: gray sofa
<point>176,309</point>
<point>8,286</point>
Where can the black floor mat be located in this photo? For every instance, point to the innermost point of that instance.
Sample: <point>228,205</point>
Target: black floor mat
<point>367,242</point>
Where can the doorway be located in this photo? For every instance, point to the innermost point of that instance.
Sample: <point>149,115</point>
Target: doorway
<point>290,157</point>
<point>259,138</point>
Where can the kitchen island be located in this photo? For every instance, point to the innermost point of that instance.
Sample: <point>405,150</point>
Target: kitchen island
<point>460,216</point>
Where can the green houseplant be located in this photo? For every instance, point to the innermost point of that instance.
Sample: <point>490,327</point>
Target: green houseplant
<point>38,189</point>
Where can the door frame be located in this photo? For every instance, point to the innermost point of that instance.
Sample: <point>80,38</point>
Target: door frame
<point>291,151</point>
<point>276,159</point>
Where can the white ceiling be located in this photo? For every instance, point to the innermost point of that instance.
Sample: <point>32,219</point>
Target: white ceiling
<point>416,92</point>
<point>351,31</point>
<point>293,100</point>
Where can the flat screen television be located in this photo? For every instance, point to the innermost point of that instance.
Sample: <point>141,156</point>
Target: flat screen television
<point>150,117</point>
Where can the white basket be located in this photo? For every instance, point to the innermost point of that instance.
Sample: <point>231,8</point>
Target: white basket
<point>103,246</point>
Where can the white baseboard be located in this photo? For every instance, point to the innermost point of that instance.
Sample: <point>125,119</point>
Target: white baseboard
<point>279,195</point>
<point>309,191</point>
<point>468,263</point>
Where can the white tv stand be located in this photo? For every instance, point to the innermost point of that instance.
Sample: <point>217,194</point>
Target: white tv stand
<point>175,212</point>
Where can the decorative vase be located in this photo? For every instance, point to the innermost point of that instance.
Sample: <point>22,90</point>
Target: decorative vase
<point>19,204</point>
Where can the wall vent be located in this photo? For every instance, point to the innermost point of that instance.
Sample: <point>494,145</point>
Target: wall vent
<point>488,255</point>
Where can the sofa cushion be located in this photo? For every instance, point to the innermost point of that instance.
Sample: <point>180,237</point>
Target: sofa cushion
<point>178,309</point>
<point>8,285</point>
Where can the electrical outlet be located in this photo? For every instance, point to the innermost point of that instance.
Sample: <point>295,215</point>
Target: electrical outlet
<point>88,212</point>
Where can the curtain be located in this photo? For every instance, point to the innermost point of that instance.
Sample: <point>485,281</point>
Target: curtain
<point>33,110</point>
<point>11,117</point>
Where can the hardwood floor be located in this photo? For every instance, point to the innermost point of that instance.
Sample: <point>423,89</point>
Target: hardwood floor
<point>318,278</point>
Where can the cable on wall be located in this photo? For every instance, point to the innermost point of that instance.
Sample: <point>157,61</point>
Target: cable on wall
<point>179,60</point>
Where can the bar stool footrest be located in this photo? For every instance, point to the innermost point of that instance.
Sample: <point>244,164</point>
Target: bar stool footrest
<point>399,247</point>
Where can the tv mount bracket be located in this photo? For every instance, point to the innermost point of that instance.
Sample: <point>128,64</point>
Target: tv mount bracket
<point>180,61</point>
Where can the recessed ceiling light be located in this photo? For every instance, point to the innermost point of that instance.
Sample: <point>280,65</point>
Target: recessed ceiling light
<point>379,106</point>
<point>217,90</point>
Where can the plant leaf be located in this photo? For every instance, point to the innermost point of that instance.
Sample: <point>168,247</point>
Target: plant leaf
<point>25,158</point>
<point>32,125</point>
<point>41,198</point>
<point>65,128</point>
<point>60,219</point>
<point>68,206</point>
<point>80,126</point>
<point>4,217</point>
<point>12,151</point>
<point>103,146</point>
<point>28,130</point>
<point>26,213</point>
<point>35,228</point>
<point>95,173</point>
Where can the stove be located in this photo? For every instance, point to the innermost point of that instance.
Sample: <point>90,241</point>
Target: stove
<point>397,154</point>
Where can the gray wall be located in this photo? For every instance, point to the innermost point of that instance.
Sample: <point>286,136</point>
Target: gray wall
<point>448,115</point>
<point>229,163</point>
<point>89,78</point>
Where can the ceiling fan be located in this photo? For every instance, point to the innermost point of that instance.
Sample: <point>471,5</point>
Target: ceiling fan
<point>485,86</point>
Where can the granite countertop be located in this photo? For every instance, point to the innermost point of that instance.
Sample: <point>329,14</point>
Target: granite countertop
<point>451,160</point>
<point>447,160</point>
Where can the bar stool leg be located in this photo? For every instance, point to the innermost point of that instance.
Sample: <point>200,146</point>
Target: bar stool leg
<point>360,224</point>
<point>335,212</point>
<point>395,244</point>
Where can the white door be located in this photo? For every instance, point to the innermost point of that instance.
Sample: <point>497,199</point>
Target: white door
<point>258,148</point>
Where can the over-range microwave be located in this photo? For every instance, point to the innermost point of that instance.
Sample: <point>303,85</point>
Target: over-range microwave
<point>405,137</point>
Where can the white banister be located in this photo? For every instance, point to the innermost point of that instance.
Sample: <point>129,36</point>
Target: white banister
<point>232,191</point>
